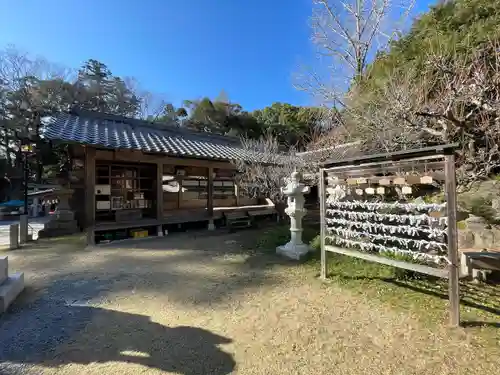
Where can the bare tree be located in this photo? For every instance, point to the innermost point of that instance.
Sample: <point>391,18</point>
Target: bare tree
<point>455,97</point>
<point>347,34</point>
<point>267,168</point>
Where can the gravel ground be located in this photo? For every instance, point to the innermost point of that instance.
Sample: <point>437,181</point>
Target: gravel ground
<point>187,305</point>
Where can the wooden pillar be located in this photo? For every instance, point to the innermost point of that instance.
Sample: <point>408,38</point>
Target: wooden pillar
<point>90,194</point>
<point>454,266</point>
<point>322,209</point>
<point>210,197</point>
<point>237,193</point>
<point>159,190</point>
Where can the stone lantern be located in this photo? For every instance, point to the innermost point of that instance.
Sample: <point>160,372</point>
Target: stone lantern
<point>295,190</point>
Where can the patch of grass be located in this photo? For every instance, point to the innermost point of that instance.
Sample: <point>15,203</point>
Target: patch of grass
<point>272,237</point>
<point>424,296</point>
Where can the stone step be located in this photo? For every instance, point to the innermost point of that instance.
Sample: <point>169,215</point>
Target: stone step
<point>10,289</point>
<point>4,269</point>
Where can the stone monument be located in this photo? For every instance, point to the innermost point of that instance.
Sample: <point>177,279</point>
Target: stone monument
<point>63,221</point>
<point>10,284</point>
<point>295,190</point>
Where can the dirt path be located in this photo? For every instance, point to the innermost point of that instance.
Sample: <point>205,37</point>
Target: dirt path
<point>199,309</point>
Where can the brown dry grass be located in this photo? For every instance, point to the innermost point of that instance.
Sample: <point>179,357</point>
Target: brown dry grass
<point>201,306</point>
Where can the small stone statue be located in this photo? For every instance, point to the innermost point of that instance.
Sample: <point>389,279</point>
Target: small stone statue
<point>295,191</point>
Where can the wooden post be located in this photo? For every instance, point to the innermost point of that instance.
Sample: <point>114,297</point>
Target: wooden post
<point>159,190</point>
<point>454,266</point>
<point>237,193</point>
<point>322,208</point>
<point>90,194</point>
<point>210,198</point>
<point>210,192</point>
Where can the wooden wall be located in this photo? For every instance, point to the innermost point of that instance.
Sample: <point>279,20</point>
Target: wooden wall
<point>195,184</point>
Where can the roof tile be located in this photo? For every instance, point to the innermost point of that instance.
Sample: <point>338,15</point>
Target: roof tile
<point>116,132</point>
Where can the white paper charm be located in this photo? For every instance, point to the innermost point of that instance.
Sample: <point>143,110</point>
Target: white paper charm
<point>406,190</point>
<point>426,180</point>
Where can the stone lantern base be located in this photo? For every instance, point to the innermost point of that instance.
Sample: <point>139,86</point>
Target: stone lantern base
<point>293,251</point>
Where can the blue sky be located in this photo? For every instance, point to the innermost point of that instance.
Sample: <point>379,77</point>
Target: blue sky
<point>180,49</point>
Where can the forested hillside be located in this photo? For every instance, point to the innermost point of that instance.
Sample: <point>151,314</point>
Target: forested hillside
<point>438,83</point>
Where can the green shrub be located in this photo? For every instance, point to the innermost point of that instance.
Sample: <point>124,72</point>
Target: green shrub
<point>315,243</point>
<point>481,206</point>
<point>434,198</point>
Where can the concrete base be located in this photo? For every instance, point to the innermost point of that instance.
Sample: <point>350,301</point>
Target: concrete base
<point>292,251</point>
<point>159,230</point>
<point>10,289</point>
<point>211,225</point>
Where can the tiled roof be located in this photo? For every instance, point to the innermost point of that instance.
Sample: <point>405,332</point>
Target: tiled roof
<point>116,132</point>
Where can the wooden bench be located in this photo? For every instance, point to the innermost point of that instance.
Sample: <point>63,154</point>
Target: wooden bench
<point>237,219</point>
<point>476,263</point>
<point>271,212</point>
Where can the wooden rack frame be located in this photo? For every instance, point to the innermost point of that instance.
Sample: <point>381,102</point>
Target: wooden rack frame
<point>439,157</point>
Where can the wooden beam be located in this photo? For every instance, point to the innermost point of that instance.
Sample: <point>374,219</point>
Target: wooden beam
<point>426,152</point>
<point>90,194</point>
<point>159,190</point>
<point>322,208</point>
<point>361,170</point>
<point>342,179</point>
<point>139,156</point>
<point>454,266</point>
<point>442,273</point>
<point>210,192</point>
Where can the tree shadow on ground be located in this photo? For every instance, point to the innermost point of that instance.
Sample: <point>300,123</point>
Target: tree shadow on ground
<point>64,334</point>
<point>55,317</point>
